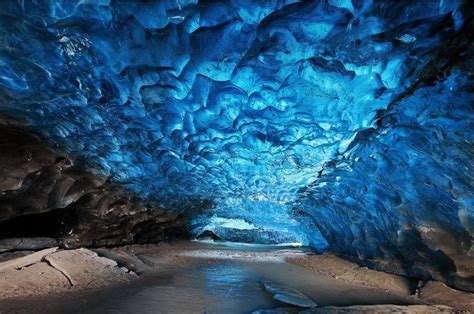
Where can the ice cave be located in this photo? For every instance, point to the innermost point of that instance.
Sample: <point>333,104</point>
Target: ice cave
<point>257,156</point>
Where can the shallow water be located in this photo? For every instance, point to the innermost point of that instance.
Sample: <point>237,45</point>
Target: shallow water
<point>199,282</point>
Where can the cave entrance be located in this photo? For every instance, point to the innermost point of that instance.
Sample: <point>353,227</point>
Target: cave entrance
<point>252,221</point>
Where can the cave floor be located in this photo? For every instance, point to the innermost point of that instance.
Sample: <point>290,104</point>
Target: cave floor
<point>190,277</point>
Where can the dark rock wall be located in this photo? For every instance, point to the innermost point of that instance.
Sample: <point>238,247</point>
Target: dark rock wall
<point>43,193</point>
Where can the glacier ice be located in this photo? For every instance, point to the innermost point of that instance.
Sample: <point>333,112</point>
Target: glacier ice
<point>341,124</point>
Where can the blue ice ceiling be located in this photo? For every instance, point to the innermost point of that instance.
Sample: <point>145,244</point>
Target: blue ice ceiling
<point>302,121</point>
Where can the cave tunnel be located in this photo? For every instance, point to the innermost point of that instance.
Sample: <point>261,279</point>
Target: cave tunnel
<point>337,130</point>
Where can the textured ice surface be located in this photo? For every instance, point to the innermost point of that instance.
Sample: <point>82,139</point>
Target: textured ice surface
<point>404,191</point>
<point>259,221</point>
<point>258,106</point>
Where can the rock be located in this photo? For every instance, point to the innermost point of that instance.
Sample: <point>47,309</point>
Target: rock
<point>207,234</point>
<point>278,310</point>
<point>38,279</point>
<point>362,309</point>
<point>51,272</point>
<point>20,244</point>
<point>288,295</point>
<point>435,291</point>
<point>6,256</point>
<point>384,308</point>
<point>131,262</point>
<point>26,260</point>
<point>85,268</point>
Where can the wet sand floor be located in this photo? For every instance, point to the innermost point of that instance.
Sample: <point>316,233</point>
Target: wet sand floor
<point>211,280</point>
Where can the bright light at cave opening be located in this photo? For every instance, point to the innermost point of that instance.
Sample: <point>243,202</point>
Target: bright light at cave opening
<point>255,219</point>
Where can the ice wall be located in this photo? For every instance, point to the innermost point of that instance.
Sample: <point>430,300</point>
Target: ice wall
<point>315,113</point>
<point>404,192</point>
